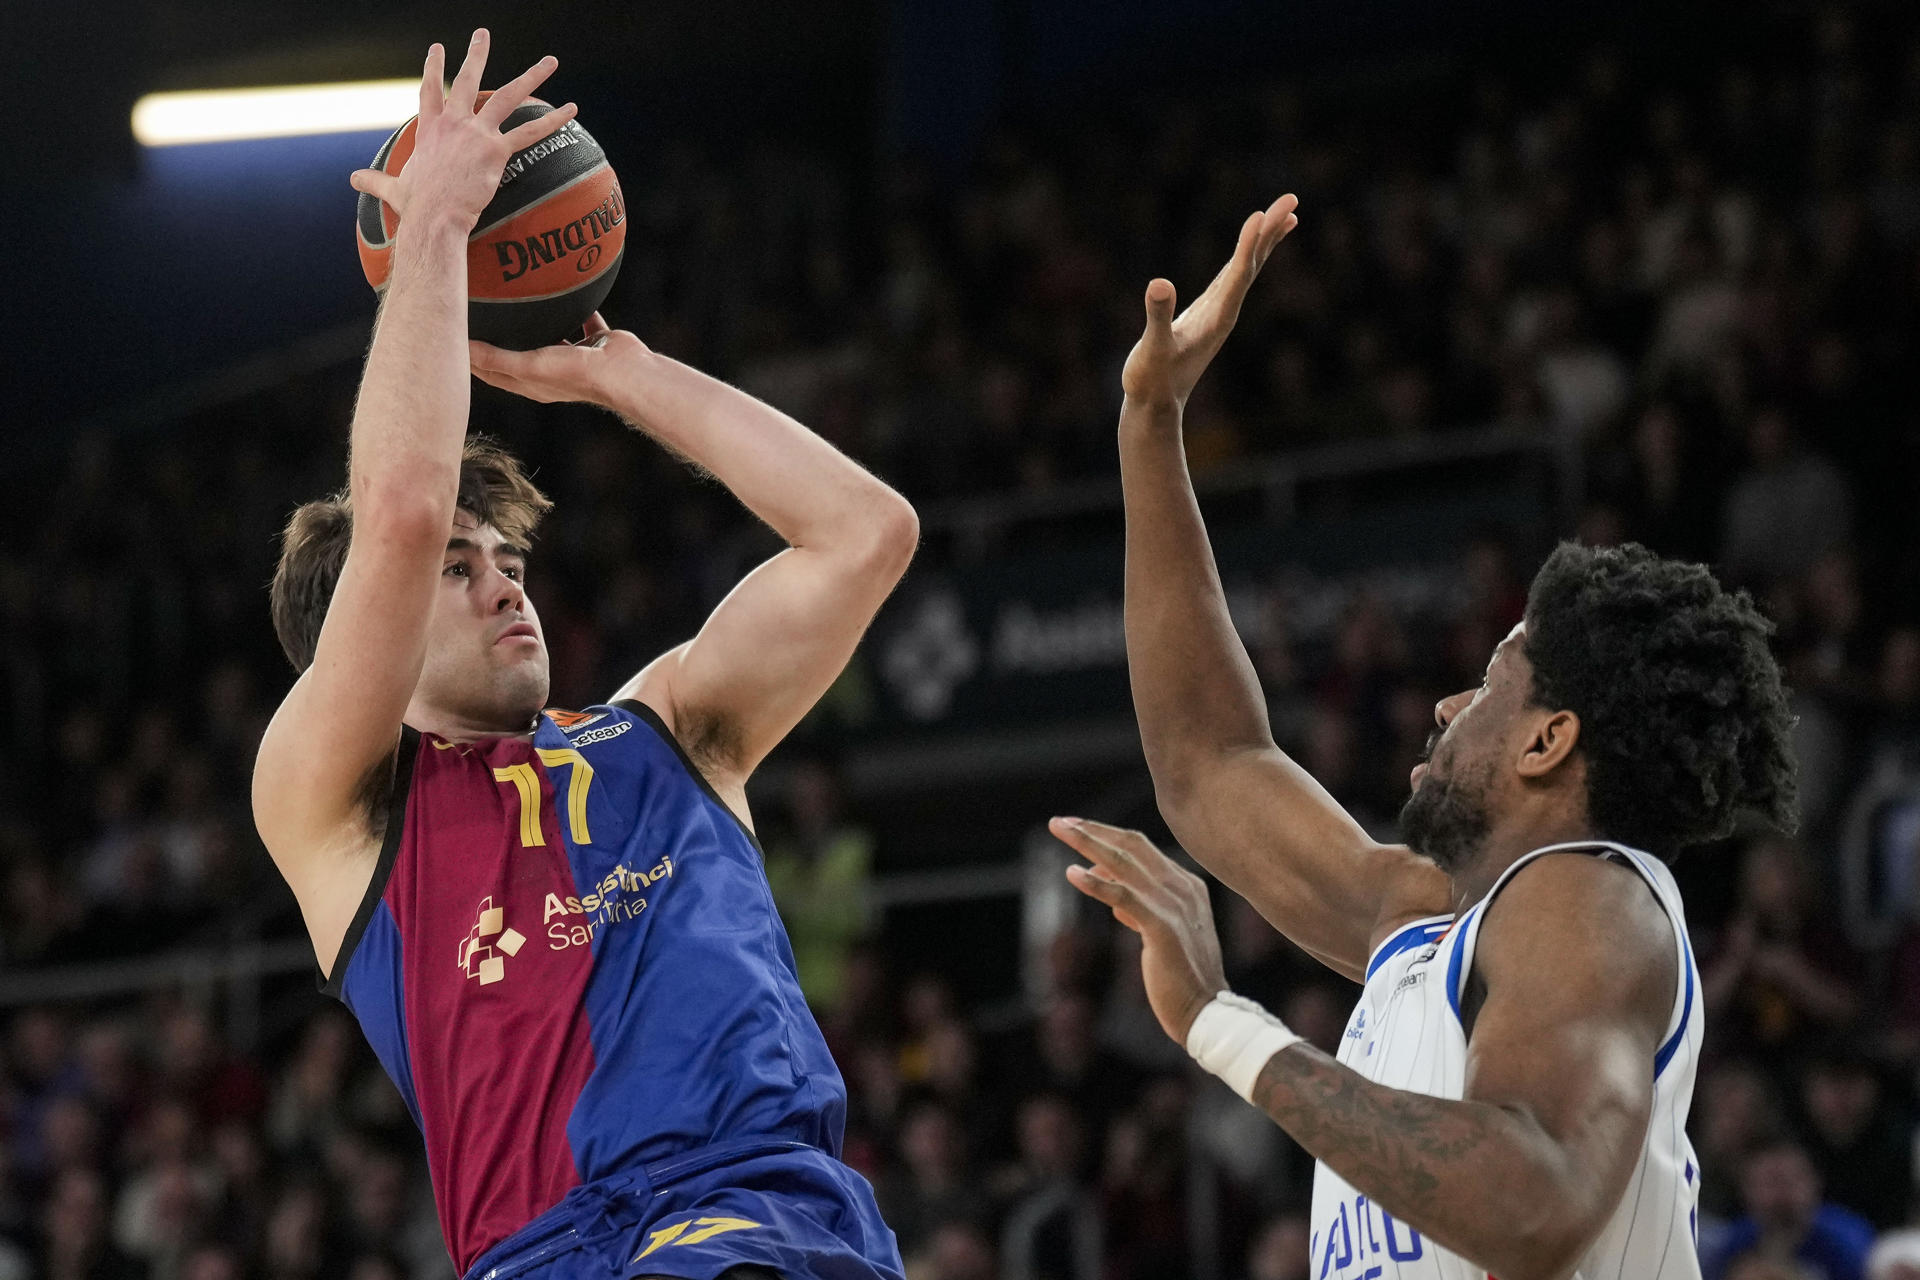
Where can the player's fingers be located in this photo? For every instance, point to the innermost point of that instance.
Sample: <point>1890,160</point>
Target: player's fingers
<point>1229,284</point>
<point>520,137</point>
<point>1096,842</point>
<point>494,378</point>
<point>1073,833</point>
<point>506,382</point>
<point>1248,244</point>
<point>433,84</point>
<point>487,358</point>
<point>375,183</point>
<point>1148,856</point>
<point>1124,839</point>
<point>466,85</point>
<point>1278,220</point>
<point>597,326</point>
<point>1113,894</point>
<point>1161,300</point>
<point>501,102</point>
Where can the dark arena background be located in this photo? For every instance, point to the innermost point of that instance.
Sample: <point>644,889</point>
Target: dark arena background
<point>1599,271</point>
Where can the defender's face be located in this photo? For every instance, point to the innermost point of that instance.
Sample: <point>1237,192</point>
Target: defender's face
<point>486,659</point>
<point>1457,789</point>
<point>1475,725</point>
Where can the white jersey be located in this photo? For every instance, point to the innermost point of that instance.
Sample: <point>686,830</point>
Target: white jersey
<point>1406,1032</point>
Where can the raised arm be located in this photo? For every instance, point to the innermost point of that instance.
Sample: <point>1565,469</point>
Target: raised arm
<point>782,636</point>
<point>1520,1175</point>
<point>335,732</point>
<point>1232,798</point>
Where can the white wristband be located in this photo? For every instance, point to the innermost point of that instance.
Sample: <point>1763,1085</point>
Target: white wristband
<point>1234,1038</point>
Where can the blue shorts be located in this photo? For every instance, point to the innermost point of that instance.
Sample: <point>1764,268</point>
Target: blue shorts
<point>782,1205</point>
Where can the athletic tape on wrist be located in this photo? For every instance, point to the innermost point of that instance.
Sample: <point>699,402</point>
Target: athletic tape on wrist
<point>1233,1038</point>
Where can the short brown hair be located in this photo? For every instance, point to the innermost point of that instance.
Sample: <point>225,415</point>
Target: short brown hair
<point>493,490</point>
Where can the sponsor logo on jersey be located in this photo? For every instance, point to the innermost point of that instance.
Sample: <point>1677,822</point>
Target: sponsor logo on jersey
<point>615,899</point>
<point>572,720</point>
<point>601,734</point>
<point>489,944</point>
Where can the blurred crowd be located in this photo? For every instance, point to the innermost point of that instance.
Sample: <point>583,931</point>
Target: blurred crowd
<point>1699,273</point>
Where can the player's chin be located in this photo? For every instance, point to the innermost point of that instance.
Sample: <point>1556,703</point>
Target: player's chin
<point>514,651</point>
<point>523,682</point>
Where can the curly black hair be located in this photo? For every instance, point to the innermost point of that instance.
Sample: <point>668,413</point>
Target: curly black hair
<point>1683,720</point>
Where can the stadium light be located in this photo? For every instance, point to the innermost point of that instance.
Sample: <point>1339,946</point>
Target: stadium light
<point>284,111</point>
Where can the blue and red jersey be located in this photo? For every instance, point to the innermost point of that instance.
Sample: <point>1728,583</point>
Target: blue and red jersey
<point>570,964</point>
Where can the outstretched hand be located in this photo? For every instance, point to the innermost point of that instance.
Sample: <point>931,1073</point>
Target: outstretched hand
<point>571,370</point>
<point>1173,352</point>
<point>1165,904</point>
<point>459,151</point>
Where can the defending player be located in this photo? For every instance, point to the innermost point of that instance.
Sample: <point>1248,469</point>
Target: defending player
<point>1511,1095</point>
<point>554,927</point>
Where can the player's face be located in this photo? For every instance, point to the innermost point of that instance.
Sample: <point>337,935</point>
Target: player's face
<point>1456,788</point>
<point>486,660</point>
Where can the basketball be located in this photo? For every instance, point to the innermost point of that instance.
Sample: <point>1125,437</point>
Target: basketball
<point>546,248</point>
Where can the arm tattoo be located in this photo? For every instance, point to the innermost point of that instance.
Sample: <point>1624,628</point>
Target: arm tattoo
<point>1431,1162</point>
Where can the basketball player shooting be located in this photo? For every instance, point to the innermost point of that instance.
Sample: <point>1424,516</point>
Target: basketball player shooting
<point>1510,1098</point>
<point>552,925</point>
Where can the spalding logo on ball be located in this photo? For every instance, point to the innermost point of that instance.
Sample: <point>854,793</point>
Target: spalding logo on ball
<point>547,246</point>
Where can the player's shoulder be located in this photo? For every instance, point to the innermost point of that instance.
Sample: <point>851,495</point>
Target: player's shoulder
<point>1585,922</point>
<point>648,738</point>
<point>1579,896</point>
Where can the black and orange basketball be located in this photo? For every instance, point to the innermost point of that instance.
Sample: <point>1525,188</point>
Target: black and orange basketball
<point>547,246</point>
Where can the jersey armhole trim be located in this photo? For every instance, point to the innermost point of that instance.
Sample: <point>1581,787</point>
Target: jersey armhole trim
<point>1671,1044</point>
<point>334,984</point>
<point>659,726</point>
<point>1455,978</point>
<point>1417,933</point>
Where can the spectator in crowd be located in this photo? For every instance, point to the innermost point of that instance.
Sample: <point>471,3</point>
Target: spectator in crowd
<point>242,1184</point>
<point>74,1241</point>
<point>1279,1250</point>
<point>1735,1108</point>
<point>299,1243</point>
<point>1861,1145</point>
<point>1143,1185</point>
<point>16,1219</point>
<point>1787,1222</point>
<point>955,1250</point>
<point>934,1183</point>
<point>1780,977</point>
<point>819,870</point>
<point>162,1213</point>
<point>1050,1222</point>
<point>1788,510</point>
<point>1063,1055</point>
<point>1895,1256</point>
<point>308,1105</point>
<point>1758,1266</point>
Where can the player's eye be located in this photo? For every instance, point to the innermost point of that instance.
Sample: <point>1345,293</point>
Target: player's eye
<point>458,569</point>
<point>513,571</point>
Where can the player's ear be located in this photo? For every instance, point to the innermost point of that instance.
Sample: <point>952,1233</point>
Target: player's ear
<point>1551,742</point>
